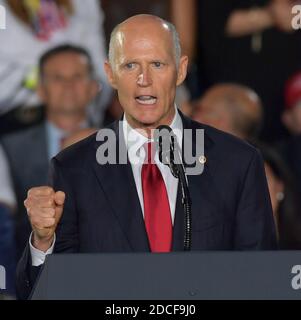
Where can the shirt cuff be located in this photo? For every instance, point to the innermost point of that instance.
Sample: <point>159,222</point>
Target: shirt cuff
<point>38,256</point>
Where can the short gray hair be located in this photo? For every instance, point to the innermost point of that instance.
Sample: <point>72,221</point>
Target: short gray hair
<point>171,28</point>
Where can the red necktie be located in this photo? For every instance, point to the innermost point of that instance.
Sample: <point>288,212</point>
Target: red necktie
<point>156,206</point>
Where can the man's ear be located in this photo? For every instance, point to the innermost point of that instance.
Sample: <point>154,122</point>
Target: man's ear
<point>182,70</point>
<point>110,74</point>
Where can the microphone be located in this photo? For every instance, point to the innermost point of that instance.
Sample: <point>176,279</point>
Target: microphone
<point>168,148</point>
<point>170,155</point>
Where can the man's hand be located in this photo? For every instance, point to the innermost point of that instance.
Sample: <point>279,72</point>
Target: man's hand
<point>44,208</point>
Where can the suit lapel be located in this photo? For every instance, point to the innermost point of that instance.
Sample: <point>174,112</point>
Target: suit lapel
<point>117,182</point>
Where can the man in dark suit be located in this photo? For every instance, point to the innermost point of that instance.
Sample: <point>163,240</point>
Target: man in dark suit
<point>136,206</point>
<point>66,87</point>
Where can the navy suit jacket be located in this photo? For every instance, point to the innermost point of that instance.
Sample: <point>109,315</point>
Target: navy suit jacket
<point>231,207</point>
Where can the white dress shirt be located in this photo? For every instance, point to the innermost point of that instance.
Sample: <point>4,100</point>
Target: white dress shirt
<point>134,143</point>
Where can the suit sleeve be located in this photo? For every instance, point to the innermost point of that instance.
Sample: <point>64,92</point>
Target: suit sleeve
<point>255,228</point>
<point>66,232</point>
<point>26,275</point>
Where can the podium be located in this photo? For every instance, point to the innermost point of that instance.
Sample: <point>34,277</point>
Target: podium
<point>173,276</point>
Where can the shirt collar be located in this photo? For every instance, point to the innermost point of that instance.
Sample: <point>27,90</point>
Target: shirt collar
<point>55,136</point>
<point>58,133</point>
<point>134,140</point>
<point>53,132</point>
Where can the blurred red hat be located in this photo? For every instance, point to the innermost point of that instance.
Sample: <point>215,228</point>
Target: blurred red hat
<point>292,91</point>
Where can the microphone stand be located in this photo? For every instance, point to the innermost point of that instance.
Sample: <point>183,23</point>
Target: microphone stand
<point>177,169</point>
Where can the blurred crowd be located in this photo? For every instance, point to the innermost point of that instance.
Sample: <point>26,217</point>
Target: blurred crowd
<point>244,78</point>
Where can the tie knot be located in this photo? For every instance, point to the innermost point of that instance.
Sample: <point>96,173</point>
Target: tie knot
<point>150,152</point>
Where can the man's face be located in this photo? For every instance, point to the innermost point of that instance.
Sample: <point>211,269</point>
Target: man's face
<point>145,74</point>
<point>66,87</point>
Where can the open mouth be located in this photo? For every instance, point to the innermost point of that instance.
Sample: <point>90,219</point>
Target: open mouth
<point>146,100</point>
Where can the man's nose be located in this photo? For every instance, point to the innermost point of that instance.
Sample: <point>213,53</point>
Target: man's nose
<point>144,78</point>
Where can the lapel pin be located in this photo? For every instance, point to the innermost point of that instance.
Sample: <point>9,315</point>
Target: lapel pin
<point>202,159</point>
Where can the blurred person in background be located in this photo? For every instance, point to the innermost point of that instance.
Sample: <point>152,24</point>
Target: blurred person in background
<point>250,42</point>
<point>291,117</point>
<point>7,243</point>
<point>67,86</point>
<point>33,27</point>
<point>232,108</point>
<point>284,198</point>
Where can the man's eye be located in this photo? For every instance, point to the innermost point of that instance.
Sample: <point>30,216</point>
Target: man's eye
<point>157,64</point>
<point>130,65</point>
<point>54,78</point>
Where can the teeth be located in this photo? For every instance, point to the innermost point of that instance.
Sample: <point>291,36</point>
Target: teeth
<point>146,100</point>
<point>145,97</point>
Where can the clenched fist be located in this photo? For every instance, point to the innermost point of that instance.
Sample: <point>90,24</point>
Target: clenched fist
<point>44,208</point>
